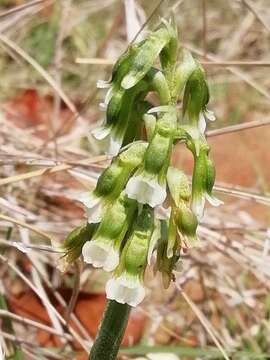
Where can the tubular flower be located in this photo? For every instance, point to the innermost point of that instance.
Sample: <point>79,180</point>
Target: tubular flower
<point>112,181</point>
<point>103,250</point>
<point>203,180</point>
<point>196,97</point>
<point>126,287</point>
<point>166,264</point>
<point>148,185</point>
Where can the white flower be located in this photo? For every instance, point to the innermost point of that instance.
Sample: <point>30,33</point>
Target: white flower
<point>146,190</point>
<point>94,206</point>
<point>100,254</point>
<point>125,289</point>
<point>205,115</point>
<point>113,142</point>
<point>198,203</point>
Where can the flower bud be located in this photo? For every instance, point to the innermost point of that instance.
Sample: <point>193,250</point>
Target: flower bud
<point>127,285</point>
<point>187,224</point>
<point>145,57</point>
<point>184,71</point>
<point>196,94</point>
<point>178,185</point>
<point>72,245</point>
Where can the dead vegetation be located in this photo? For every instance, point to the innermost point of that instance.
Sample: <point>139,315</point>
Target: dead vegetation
<point>52,53</point>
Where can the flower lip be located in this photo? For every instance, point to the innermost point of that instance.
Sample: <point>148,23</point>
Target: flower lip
<point>100,255</point>
<point>146,191</point>
<point>101,132</point>
<point>114,143</point>
<point>94,206</point>
<point>125,289</point>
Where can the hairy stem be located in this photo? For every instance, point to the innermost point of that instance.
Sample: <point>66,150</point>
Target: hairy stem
<point>111,331</point>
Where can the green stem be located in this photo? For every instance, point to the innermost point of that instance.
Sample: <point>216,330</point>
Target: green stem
<point>111,331</point>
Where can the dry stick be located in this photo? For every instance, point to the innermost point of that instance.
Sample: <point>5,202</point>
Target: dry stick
<point>255,12</point>
<point>21,341</point>
<point>75,292</point>
<point>203,320</point>
<point>57,295</point>
<point>32,287</point>
<point>36,324</point>
<point>204,31</point>
<point>25,225</point>
<point>41,71</point>
<point>246,78</point>
<point>49,170</point>
<point>24,247</point>
<point>238,127</point>
<point>23,7</point>
<point>233,191</point>
<point>57,69</point>
<point>147,21</point>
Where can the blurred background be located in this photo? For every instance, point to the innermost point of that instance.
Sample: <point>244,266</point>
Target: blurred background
<point>51,55</point>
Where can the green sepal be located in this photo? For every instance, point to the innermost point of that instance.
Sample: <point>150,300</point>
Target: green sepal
<point>186,221</point>
<point>184,71</point>
<point>196,94</point>
<point>157,156</point>
<point>116,220</point>
<point>73,243</point>
<point>135,252</point>
<point>145,57</point>
<point>178,184</point>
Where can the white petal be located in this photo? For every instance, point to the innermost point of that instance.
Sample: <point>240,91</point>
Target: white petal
<point>102,106</point>
<point>114,145</point>
<point>146,191</point>
<point>100,255</point>
<point>209,115</point>
<point>198,206</point>
<point>94,207</point>
<point>125,291</point>
<point>102,84</point>
<point>202,123</point>
<point>213,200</point>
<point>162,108</point>
<point>108,96</point>
<point>101,132</point>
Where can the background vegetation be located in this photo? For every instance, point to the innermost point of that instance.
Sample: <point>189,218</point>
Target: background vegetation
<point>51,55</point>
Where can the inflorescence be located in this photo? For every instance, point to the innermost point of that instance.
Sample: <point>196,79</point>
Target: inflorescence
<point>141,204</point>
